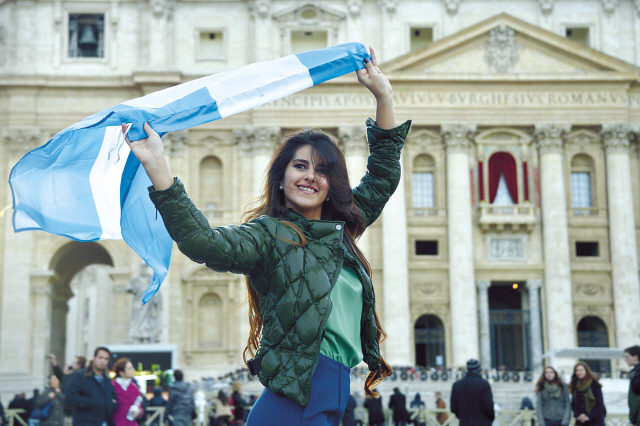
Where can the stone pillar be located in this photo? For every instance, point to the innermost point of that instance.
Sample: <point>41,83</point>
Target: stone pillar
<point>260,12</point>
<point>555,234</point>
<point>355,147</point>
<point>41,293</point>
<point>622,234</point>
<point>395,264</point>
<point>161,41</point>
<point>535,323</point>
<point>464,311</point>
<point>483,315</point>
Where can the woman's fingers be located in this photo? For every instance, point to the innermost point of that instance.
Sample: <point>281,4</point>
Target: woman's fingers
<point>149,131</point>
<point>374,60</point>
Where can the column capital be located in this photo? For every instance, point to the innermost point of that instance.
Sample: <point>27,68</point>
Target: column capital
<point>260,8</point>
<point>483,285</point>
<point>549,136</point>
<point>458,136</point>
<point>257,139</point>
<point>20,140</point>
<point>352,139</point>
<point>615,136</point>
<point>534,284</point>
<point>174,142</point>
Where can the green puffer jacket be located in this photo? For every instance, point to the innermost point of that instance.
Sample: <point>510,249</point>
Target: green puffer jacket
<point>293,282</point>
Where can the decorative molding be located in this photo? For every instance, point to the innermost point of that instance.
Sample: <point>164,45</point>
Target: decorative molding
<point>174,142</point>
<point>161,8</point>
<point>388,6</point>
<point>425,139</point>
<point>582,138</point>
<point>452,6</point>
<point>257,139</point>
<point>546,6</point>
<point>501,50</point>
<point>503,136</point>
<point>534,284</point>
<point>309,13</point>
<point>354,7</point>
<point>483,285</point>
<point>506,248</point>
<point>429,289</point>
<point>353,140</point>
<point>458,136</point>
<point>615,136</point>
<point>591,290</point>
<point>260,8</point>
<point>549,136</point>
<point>20,140</point>
<point>609,6</point>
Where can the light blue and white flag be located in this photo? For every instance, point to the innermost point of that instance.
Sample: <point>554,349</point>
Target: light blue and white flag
<point>86,185</point>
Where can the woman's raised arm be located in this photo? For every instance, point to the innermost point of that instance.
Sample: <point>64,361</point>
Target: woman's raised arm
<point>150,152</point>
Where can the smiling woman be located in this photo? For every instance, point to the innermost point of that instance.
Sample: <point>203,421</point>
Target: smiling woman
<point>311,301</point>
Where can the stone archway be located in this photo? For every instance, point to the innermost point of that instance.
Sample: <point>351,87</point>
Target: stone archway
<point>66,263</point>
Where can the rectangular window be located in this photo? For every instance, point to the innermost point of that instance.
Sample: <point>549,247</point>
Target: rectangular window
<point>422,190</point>
<point>211,45</point>
<point>587,249</point>
<point>427,248</point>
<point>86,36</point>
<point>580,189</point>
<point>579,35</point>
<point>421,37</point>
<point>303,41</point>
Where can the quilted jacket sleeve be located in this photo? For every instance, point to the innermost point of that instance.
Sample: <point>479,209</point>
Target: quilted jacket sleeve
<point>383,169</point>
<point>239,249</point>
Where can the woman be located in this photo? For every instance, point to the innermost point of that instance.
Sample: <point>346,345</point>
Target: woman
<point>223,409</point>
<point>553,406</point>
<point>587,403</point>
<point>127,394</point>
<point>311,301</point>
<point>53,396</point>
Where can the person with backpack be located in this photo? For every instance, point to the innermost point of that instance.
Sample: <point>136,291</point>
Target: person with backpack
<point>49,409</point>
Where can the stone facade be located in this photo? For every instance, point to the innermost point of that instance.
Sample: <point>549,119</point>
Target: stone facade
<point>496,78</point>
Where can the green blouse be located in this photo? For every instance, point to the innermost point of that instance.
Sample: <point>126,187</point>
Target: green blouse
<point>342,332</point>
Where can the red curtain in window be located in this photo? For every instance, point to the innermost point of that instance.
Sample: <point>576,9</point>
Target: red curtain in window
<point>503,163</point>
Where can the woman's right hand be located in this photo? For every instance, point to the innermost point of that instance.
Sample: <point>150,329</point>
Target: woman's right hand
<point>150,152</point>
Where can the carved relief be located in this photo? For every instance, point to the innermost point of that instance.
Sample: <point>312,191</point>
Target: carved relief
<point>458,136</point>
<point>260,8</point>
<point>429,289</point>
<point>609,6</point>
<point>549,136</point>
<point>503,136</point>
<point>501,51</point>
<point>388,6</point>
<point>506,248</point>
<point>352,140</point>
<point>452,6</point>
<point>546,6</point>
<point>615,136</point>
<point>161,8</point>
<point>590,290</point>
<point>424,138</point>
<point>20,140</point>
<point>582,138</point>
<point>354,7</point>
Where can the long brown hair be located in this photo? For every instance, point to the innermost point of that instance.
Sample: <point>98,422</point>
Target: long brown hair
<point>590,375</point>
<point>542,379</point>
<point>339,206</point>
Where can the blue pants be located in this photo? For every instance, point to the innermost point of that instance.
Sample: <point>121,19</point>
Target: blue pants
<point>330,389</point>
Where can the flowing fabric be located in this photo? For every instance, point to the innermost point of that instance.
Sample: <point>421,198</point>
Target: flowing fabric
<point>503,163</point>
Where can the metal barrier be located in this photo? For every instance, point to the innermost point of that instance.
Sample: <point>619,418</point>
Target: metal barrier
<point>13,418</point>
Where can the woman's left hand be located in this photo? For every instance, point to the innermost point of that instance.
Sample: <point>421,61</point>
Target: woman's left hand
<point>373,79</point>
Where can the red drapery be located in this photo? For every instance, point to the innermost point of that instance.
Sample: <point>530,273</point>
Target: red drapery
<point>503,163</point>
<point>525,178</point>
<point>481,181</point>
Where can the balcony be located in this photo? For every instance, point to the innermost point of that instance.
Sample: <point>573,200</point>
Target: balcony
<point>515,217</point>
<point>587,216</point>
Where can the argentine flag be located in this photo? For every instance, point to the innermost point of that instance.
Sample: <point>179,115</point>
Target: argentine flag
<point>85,184</point>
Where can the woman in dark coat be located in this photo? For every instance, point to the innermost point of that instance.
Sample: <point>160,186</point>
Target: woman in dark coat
<point>374,406</point>
<point>586,402</point>
<point>52,395</point>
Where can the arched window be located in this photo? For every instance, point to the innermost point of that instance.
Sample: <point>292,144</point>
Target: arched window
<point>592,333</point>
<point>503,179</point>
<point>582,169</point>
<point>211,184</point>
<point>422,185</point>
<point>429,338</point>
<point>210,321</point>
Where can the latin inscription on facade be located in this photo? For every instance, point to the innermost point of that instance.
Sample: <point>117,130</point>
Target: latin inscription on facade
<point>463,99</point>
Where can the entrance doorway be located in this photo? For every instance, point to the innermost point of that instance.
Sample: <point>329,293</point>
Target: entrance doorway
<point>509,323</point>
<point>429,338</point>
<point>592,333</point>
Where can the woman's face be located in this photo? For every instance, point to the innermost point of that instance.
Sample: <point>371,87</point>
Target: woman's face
<point>580,372</point>
<point>549,374</point>
<point>305,186</point>
<point>128,372</point>
<point>54,382</point>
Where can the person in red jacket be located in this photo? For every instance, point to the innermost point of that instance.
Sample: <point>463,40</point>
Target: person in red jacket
<point>127,394</point>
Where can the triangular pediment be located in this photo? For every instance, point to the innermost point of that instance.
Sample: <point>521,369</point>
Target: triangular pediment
<point>503,46</point>
<point>309,14</point>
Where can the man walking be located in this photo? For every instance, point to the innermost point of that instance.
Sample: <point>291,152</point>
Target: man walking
<point>181,404</point>
<point>471,398</point>
<point>632,358</point>
<point>398,403</point>
<point>90,393</point>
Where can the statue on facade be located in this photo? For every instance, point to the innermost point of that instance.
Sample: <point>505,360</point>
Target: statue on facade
<point>145,325</point>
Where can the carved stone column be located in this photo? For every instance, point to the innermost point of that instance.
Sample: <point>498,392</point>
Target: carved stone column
<point>40,322</point>
<point>622,234</point>
<point>355,147</point>
<point>161,41</point>
<point>483,315</point>
<point>260,11</point>
<point>395,266</point>
<point>535,323</point>
<point>555,233</point>
<point>464,312</point>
